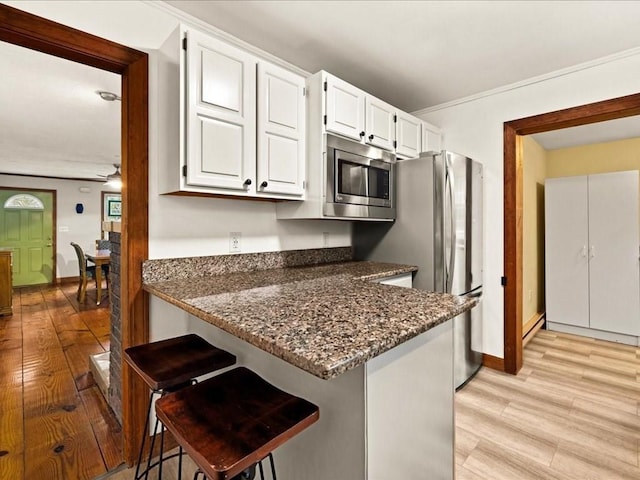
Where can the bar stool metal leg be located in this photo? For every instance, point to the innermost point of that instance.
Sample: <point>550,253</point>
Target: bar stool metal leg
<point>273,467</point>
<point>144,437</point>
<point>145,473</point>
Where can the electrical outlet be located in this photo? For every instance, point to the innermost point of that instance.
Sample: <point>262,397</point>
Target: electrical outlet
<point>235,242</point>
<point>325,239</point>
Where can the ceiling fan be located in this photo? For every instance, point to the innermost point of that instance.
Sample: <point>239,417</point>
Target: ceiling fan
<point>114,179</point>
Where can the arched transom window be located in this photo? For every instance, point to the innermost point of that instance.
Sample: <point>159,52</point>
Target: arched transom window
<point>24,201</point>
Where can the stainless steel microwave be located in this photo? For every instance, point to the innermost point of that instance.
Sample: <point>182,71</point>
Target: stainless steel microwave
<point>360,180</point>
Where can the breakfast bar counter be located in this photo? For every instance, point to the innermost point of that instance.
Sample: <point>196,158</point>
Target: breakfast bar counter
<point>323,319</point>
<point>377,359</point>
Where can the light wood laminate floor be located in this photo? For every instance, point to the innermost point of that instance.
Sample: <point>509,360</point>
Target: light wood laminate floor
<point>571,413</point>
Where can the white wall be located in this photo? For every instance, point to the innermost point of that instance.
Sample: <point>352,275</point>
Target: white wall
<point>83,229</point>
<point>183,226</point>
<point>474,128</point>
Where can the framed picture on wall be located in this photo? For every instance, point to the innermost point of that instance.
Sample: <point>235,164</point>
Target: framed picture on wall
<point>111,206</point>
<point>114,208</point>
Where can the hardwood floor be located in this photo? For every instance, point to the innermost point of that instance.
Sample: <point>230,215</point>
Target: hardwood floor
<point>54,422</point>
<point>571,413</point>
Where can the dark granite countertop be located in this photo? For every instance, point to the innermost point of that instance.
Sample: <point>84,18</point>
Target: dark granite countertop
<point>325,319</point>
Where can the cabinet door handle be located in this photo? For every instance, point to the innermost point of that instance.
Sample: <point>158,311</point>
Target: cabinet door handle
<point>247,182</point>
<point>264,184</point>
<point>370,137</point>
<point>362,134</point>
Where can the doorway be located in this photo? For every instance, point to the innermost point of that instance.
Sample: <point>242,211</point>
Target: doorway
<point>513,200</point>
<point>20,28</point>
<point>27,227</point>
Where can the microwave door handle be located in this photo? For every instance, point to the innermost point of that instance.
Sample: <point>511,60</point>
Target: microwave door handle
<point>450,264</point>
<point>366,181</point>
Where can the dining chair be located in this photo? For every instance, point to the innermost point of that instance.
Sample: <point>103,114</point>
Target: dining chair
<point>85,272</point>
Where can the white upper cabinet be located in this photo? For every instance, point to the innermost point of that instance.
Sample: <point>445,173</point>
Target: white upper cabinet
<point>431,138</point>
<point>221,114</point>
<point>408,135</point>
<point>281,131</point>
<point>380,128</point>
<point>352,113</point>
<point>236,122</point>
<point>344,109</point>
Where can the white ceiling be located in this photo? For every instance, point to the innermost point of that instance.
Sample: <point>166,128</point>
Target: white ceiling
<point>416,54</point>
<point>52,122</point>
<point>610,131</point>
<point>411,54</point>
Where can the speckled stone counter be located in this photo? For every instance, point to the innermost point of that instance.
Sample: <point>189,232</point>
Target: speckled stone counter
<point>325,319</point>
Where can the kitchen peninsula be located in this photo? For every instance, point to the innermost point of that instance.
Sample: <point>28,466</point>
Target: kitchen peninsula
<point>377,359</point>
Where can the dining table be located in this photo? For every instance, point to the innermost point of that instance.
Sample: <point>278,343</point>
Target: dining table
<point>100,258</point>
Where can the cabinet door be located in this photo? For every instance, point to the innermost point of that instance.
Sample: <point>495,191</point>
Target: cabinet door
<point>380,128</point>
<point>431,138</point>
<point>345,108</point>
<point>408,135</point>
<point>613,241</point>
<point>566,250</point>
<point>221,114</point>
<point>281,131</point>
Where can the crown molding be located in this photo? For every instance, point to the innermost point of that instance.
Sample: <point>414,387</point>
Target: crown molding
<point>531,81</point>
<point>209,29</point>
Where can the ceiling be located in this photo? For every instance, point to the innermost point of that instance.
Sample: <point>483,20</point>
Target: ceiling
<point>610,131</point>
<point>410,54</point>
<point>416,54</point>
<point>52,121</point>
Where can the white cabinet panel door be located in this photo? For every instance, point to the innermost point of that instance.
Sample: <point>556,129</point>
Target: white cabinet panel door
<point>345,108</point>
<point>221,114</point>
<point>566,250</point>
<point>431,138</point>
<point>408,135</point>
<point>380,128</point>
<point>281,131</point>
<point>613,249</point>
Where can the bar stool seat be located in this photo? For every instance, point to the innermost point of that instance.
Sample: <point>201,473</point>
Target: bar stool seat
<point>167,366</point>
<point>232,421</point>
<point>168,363</point>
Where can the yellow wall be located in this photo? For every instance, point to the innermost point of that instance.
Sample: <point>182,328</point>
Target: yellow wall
<point>534,166</point>
<point>597,158</point>
<point>539,164</point>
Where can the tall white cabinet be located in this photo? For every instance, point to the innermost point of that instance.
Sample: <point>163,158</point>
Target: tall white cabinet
<point>592,263</point>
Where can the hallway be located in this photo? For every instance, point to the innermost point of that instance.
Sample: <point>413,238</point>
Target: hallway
<point>55,423</point>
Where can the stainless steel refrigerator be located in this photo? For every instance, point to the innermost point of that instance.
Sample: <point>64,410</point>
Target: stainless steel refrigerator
<point>438,228</point>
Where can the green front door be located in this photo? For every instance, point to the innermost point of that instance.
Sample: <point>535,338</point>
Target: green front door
<point>26,226</point>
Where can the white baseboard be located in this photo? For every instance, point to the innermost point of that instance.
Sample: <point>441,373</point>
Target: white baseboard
<point>593,333</point>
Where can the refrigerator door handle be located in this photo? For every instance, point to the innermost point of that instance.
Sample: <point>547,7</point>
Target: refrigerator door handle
<point>450,264</point>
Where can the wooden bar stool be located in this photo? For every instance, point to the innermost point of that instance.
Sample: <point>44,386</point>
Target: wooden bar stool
<point>167,366</point>
<point>233,421</point>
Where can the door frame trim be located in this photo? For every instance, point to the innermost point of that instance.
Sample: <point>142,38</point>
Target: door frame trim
<point>37,33</point>
<point>54,224</point>
<point>620,107</point>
